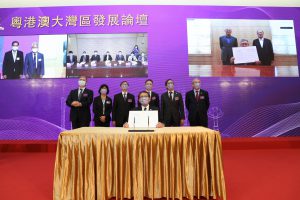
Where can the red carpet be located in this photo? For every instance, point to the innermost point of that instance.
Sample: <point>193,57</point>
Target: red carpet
<point>271,171</point>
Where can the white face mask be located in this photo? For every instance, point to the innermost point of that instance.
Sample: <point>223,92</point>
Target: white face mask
<point>144,101</point>
<point>170,86</point>
<point>15,48</point>
<point>103,91</point>
<point>148,87</point>
<point>197,85</point>
<point>95,53</point>
<point>124,87</point>
<point>120,54</point>
<point>81,83</point>
<point>84,54</point>
<point>34,50</point>
<point>70,54</point>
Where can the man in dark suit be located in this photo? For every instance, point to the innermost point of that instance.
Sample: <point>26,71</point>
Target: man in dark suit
<point>123,102</point>
<point>84,58</point>
<point>264,49</point>
<point>197,104</point>
<point>80,101</point>
<point>120,57</point>
<point>34,63</point>
<point>226,43</point>
<point>95,57</point>
<point>71,58</point>
<point>13,63</point>
<point>107,57</point>
<point>154,97</point>
<point>144,100</point>
<point>172,106</point>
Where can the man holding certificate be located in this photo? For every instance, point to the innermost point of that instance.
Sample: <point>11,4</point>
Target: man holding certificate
<point>245,54</point>
<point>144,100</point>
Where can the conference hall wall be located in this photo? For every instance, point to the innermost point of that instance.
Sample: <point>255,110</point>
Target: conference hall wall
<point>245,101</point>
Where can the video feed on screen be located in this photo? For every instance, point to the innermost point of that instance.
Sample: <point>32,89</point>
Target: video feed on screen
<point>33,56</point>
<point>241,48</point>
<point>107,55</point>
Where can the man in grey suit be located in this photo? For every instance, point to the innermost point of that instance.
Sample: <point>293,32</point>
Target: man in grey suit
<point>226,43</point>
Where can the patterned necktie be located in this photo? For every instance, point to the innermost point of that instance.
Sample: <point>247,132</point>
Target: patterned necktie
<point>80,94</point>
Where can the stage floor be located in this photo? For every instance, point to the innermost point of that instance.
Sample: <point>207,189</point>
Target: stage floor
<point>255,169</point>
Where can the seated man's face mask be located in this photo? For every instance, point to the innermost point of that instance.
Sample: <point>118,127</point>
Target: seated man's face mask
<point>144,101</point>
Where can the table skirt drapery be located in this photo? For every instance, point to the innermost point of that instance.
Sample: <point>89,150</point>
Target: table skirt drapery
<point>176,162</point>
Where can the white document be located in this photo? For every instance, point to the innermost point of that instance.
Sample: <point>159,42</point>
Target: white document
<point>143,119</point>
<point>245,54</point>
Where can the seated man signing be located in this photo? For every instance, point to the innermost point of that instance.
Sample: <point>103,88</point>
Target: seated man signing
<point>144,99</point>
<point>244,43</point>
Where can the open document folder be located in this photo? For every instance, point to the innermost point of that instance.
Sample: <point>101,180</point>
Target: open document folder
<point>143,119</point>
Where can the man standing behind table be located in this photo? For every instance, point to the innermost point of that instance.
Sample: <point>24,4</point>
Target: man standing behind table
<point>13,63</point>
<point>34,63</point>
<point>123,103</point>
<point>80,100</point>
<point>226,43</point>
<point>197,104</point>
<point>154,97</point>
<point>172,108</point>
<point>264,49</point>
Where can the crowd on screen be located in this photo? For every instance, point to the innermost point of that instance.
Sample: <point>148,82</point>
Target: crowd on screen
<point>134,56</point>
<point>170,105</point>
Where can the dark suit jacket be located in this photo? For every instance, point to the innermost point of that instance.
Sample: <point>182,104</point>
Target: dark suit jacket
<point>105,58</point>
<point>121,108</point>
<point>13,69</point>
<point>226,48</point>
<point>150,108</point>
<point>87,59</point>
<point>195,107</point>
<point>265,54</point>
<point>30,65</point>
<point>118,58</point>
<point>80,113</point>
<point>154,100</point>
<point>74,60</point>
<point>172,108</point>
<point>96,58</point>
<point>98,108</point>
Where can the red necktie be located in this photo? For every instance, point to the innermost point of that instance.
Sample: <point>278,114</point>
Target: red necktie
<point>197,96</point>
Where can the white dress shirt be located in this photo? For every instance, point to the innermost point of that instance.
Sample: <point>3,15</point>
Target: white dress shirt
<point>261,41</point>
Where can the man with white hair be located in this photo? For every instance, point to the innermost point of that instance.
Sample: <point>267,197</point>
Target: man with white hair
<point>226,43</point>
<point>197,104</point>
<point>34,63</point>
<point>264,48</point>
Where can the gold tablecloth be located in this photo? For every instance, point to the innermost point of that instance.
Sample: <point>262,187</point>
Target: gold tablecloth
<point>176,162</point>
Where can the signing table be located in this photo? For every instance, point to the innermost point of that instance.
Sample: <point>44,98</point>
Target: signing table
<point>174,162</point>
